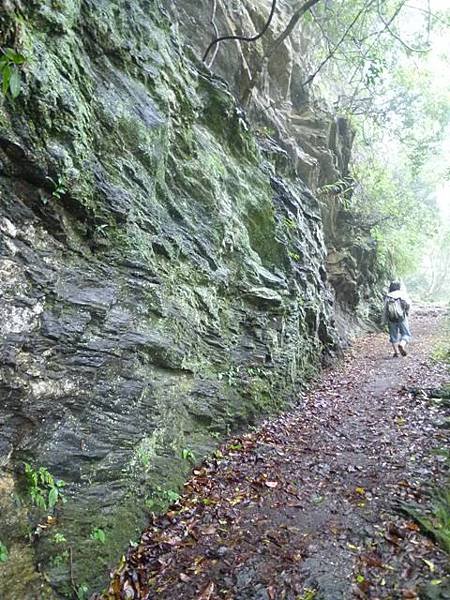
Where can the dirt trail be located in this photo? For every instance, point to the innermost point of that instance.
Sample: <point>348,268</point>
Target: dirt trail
<point>304,507</point>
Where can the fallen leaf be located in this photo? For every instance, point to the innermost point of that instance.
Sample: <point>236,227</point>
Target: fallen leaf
<point>372,560</point>
<point>429,564</point>
<point>236,499</point>
<point>209,530</point>
<point>207,591</point>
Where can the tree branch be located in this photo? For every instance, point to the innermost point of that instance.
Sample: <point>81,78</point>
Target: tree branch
<point>379,34</point>
<point>428,12</point>
<point>216,32</point>
<point>276,44</point>
<point>387,27</point>
<point>243,38</point>
<point>290,26</point>
<point>334,50</point>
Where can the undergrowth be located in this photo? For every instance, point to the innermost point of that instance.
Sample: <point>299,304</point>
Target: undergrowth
<point>436,522</point>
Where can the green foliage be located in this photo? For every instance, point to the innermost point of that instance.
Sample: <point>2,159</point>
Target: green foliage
<point>98,535</point>
<point>341,186</point>
<point>431,282</point>
<point>290,223</point>
<point>44,491</point>
<point>441,353</point>
<point>397,206</point>
<point>360,44</point>
<point>436,523</point>
<point>160,499</point>
<point>81,592</point>
<point>440,522</point>
<point>188,455</point>
<point>172,496</point>
<point>10,63</point>
<point>4,555</point>
<point>294,255</point>
<point>232,376</point>
<point>308,595</point>
<point>378,67</point>
<point>59,538</point>
<point>60,559</point>
<point>59,186</point>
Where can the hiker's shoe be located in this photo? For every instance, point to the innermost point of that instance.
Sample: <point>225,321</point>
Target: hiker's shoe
<point>402,349</point>
<point>395,355</point>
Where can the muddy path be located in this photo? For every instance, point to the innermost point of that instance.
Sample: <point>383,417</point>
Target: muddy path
<point>307,506</point>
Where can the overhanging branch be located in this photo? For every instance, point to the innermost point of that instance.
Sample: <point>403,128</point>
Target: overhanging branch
<point>243,38</point>
<point>340,42</point>
<point>395,35</point>
<point>276,44</point>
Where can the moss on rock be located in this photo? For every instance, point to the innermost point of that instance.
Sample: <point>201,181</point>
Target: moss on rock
<point>172,280</point>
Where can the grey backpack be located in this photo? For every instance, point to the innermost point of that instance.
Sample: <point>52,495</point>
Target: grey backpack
<point>395,309</point>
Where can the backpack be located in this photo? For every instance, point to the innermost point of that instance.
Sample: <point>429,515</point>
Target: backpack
<point>395,309</point>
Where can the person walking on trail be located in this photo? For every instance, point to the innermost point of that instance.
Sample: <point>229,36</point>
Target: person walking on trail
<point>396,310</point>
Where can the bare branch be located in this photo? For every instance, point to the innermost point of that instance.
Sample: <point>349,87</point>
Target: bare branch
<point>394,34</point>
<point>243,38</point>
<point>379,34</point>
<point>304,8</point>
<point>290,26</point>
<point>322,30</point>
<point>428,12</point>
<point>216,32</point>
<point>332,53</point>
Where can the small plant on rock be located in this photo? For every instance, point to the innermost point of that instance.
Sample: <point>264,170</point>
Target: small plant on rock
<point>308,595</point>
<point>59,538</point>
<point>43,489</point>
<point>98,535</point>
<point>160,498</point>
<point>4,555</point>
<point>60,559</point>
<point>59,186</point>
<point>81,592</point>
<point>10,63</point>
<point>188,455</point>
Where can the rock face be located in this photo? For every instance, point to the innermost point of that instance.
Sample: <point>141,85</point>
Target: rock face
<point>162,276</point>
<point>316,142</point>
<point>270,83</point>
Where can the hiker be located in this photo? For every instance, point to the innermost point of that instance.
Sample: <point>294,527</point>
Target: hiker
<point>396,309</point>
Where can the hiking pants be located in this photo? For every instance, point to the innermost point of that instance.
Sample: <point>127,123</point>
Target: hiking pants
<point>399,331</point>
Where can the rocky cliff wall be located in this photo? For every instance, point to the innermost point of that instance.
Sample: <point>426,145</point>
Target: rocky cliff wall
<point>316,140</point>
<point>162,277</point>
<point>272,88</point>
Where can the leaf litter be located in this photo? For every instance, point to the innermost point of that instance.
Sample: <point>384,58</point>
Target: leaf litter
<point>307,506</point>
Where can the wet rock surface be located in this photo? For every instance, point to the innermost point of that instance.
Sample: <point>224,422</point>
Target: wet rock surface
<point>307,505</point>
<point>162,280</point>
<point>298,132</point>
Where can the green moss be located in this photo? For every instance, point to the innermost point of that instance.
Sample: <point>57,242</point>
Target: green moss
<point>261,227</point>
<point>159,168</point>
<point>221,114</point>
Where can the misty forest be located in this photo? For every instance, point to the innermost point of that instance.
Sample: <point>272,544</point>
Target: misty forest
<point>224,299</point>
